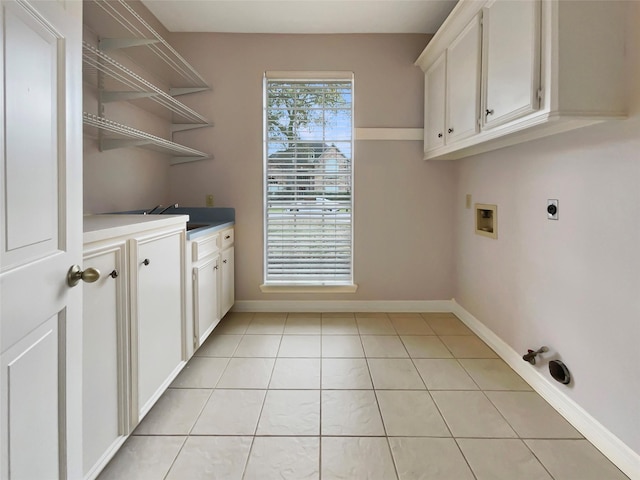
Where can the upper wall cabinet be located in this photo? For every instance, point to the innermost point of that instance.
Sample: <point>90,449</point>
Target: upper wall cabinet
<point>452,90</point>
<point>522,70</point>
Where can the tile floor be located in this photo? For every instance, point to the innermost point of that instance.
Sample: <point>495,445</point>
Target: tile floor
<point>352,396</point>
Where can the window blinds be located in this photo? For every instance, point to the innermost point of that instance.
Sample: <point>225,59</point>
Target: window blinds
<point>308,180</point>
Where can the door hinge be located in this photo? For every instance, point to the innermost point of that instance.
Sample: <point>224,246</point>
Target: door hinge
<point>193,275</point>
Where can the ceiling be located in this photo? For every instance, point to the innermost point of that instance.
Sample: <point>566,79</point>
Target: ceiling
<point>301,16</point>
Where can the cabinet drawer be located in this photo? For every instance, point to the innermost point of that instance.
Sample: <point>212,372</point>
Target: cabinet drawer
<point>205,246</point>
<point>227,238</point>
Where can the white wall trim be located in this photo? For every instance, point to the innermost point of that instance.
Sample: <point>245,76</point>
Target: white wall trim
<point>611,446</point>
<point>342,306</point>
<point>389,134</point>
<point>308,288</point>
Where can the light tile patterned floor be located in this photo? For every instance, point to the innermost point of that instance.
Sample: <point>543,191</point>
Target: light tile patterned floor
<point>352,396</point>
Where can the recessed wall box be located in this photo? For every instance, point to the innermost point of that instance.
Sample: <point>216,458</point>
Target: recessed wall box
<point>487,220</point>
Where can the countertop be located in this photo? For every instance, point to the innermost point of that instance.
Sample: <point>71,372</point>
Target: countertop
<point>103,226</point>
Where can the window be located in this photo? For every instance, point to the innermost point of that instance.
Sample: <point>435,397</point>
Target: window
<point>308,172</point>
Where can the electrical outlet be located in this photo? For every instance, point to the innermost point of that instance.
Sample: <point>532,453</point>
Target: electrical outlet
<point>552,209</point>
<point>209,200</point>
<point>468,201</point>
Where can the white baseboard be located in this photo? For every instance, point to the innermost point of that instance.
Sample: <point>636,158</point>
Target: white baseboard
<point>611,446</point>
<point>342,306</point>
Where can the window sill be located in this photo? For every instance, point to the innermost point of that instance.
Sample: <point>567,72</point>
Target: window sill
<point>308,288</point>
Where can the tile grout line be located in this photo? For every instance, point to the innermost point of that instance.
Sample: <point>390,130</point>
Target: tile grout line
<point>264,400</point>
<point>184,442</point>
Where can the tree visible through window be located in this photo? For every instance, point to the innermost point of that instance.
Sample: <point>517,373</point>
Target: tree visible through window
<point>308,176</point>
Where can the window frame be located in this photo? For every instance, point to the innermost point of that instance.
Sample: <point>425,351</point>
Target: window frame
<point>269,285</point>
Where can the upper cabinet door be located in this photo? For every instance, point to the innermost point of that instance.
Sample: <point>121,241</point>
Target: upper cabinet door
<point>434,94</point>
<point>511,60</point>
<point>463,83</point>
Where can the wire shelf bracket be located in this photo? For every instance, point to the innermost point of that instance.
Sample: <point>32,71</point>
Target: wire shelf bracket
<point>107,44</point>
<point>181,127</point>
<point>177,91</point>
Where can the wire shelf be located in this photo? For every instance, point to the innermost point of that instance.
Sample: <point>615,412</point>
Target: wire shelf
<point>136,86</point>
<point>121,26</point>
<point>123,136</point>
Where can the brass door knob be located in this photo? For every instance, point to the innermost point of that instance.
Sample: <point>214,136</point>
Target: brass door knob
<point>75,274</point>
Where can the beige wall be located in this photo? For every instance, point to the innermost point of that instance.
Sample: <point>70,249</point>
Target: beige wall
<point>402,213</point>
<point>571,284</point>
<point>125,178</point>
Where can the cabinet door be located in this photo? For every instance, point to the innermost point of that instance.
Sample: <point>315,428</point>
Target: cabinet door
<point>511,60</point>
<point>463,83</point>
<point>158,316</point>
<point>434,97</point>
<point>104,358</point>
<point>227,297</point>
<point>205,298</point>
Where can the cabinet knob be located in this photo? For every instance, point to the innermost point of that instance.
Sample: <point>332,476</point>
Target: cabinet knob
<point>488,112</point>
<point>114,273</point>
<point>216,267</point>
<point>227,237</point>
<point>89,275</point>
<point>224,261</point>
<point>440,135</point>
<point>450,130</point>
<point>146,261</point>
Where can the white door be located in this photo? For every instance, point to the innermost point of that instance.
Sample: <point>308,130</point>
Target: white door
<point>41,222</point>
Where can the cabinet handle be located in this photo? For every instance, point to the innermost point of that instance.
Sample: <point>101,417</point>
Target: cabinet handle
<point>227,237</point>
<point>216,267</point>
<point>450,130</point>
<point>488,112</point>
<point>146,261</point>
<point>114,273</point>
<point>440,135</point>
<point>224,261</point>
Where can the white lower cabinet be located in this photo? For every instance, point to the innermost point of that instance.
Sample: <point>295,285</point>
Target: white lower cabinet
<point>133,329</point>
<point>205,285</point>
<point>213,280</point>
<point>157,329</point>
<point>105,357</point>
